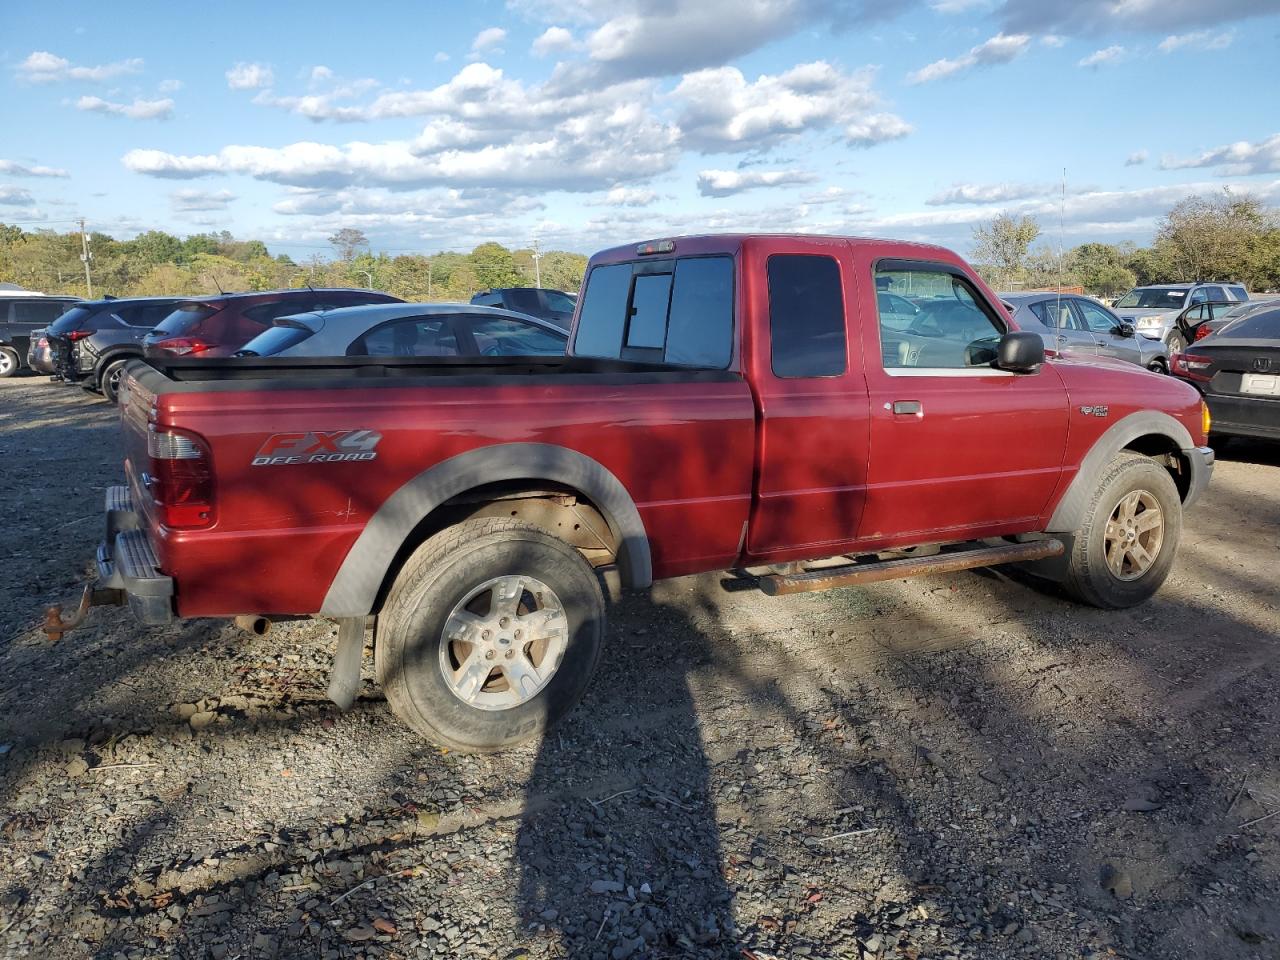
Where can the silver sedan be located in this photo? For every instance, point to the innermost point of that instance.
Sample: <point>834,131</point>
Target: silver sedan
<point>1078,328</point>
<point>409,330</point>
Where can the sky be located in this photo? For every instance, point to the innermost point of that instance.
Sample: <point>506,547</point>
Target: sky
<point>581,124</point>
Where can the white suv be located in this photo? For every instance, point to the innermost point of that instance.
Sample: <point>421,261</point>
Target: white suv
<point>1153,309</point>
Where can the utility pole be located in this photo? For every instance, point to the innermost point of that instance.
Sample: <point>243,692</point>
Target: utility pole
<point>86,256</point>
<point>537,265</point>
<point>430,264</point>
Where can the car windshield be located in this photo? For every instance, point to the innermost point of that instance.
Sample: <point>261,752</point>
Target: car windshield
<point>72,319</point>
<point>184,319</point>
<point>275,340</point>
<point>1157,298</point>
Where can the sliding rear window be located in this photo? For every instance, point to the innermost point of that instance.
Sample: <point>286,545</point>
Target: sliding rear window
<point>678,312</point>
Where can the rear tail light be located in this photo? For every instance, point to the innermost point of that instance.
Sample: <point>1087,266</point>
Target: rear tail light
<point>181,478</point>
<point>75,335</point>
<point>1202,331</point>
<point>183,346</point>
<point>1191,366</point>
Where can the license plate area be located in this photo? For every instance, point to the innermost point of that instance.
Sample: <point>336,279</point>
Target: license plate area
<point>1260,384</point>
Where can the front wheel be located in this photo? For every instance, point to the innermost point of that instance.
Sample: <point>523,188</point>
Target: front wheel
<point>491,634</point>
<point>9,362</point>
<point>1158,366</point>
<point>1124,550</point>
<point>1177,343</point>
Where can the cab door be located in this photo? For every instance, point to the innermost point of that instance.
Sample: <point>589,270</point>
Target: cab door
<point>1074,341</point>
<point>811,398</point>
<point>958,449</point>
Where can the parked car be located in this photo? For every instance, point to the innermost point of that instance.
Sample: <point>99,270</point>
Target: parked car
<point>92,341</point>
<point>1198,322</point>
<point>22,312</point>
<point>554,305</point>
<point>1078,328</point>
<point>219,326</point>
<point>1237,369</point>
<point>1154,310</point>
<point>728,401</point>
<point>408,330</point>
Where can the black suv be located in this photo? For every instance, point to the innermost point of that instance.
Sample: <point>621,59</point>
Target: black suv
<point>553,305</point>
<point>21,315</point>
<point>92,341</point>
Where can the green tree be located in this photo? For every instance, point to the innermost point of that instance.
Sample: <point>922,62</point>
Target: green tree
<point>348,241</point>
<point>1211,238</point>
<point>1004,244</point>
<point>494,266</point>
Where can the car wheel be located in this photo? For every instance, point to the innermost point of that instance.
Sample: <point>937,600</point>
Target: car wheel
<point>1158,366</point>
<point>9,362</point>
<point>1124,550</point>
<point>110,379</point>
<point>1177,343</point>
<point>490,634</point>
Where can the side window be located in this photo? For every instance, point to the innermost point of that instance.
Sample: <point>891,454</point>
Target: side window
<point>150,316</point>
<point>952,329</point>
<point>1059,314</point>
<point>487,300</point>
<point>1195,313</point>
<point>806,316</point>
<point>558,301</point>
<point>1199,295</point>
<point>1240,293</point>
<point>1043,313</point>
<point>1095,318</point>
<point>679,312</point>
<point>36,313</point>
<point>410,337</point>
<point>503,337</point>
<point>1217,294</point>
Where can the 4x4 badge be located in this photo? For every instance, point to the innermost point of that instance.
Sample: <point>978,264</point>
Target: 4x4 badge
<point>1096,411</point>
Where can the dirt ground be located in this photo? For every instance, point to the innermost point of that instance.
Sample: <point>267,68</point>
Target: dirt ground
<point>963,766</point>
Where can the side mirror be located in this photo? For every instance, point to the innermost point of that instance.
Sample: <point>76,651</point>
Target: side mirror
<point>1020,352</point>
<point>1124,329</point>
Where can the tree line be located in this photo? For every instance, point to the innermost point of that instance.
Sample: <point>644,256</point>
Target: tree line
<point>1229,237</point>
<point>156,263</point>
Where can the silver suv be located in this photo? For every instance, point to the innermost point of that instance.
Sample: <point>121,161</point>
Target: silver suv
<point>1153,309</point>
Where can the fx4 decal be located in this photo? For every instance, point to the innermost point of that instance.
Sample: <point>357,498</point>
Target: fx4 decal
<point>319,446</point>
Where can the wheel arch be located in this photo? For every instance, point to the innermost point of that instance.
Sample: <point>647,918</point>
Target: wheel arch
<point>111,356</point>
<point>406,518</point>
<point>1149,432</point>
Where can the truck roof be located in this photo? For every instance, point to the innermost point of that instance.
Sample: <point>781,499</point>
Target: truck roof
<point>706,243</point>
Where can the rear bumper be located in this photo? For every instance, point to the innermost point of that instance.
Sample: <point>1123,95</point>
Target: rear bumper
<point>126,562</point>
<point>1201,461</point>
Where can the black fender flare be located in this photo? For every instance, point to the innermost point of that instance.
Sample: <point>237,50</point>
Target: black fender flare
<point>1069,514</point>
<point>355,588</point>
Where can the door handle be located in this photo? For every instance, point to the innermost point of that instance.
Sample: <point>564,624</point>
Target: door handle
<point>1062,338</point>
<point>908,408</point>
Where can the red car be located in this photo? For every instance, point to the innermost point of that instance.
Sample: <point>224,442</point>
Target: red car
<point>729,402</point>
<point>219,326</point>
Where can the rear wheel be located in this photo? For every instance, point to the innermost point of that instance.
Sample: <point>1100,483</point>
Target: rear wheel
<point>491,634</point>
<point>110,380</point>
<point>1158,366</point>
<point>9,362</point>
<point>1124,550</point>
<point>1177,342</point>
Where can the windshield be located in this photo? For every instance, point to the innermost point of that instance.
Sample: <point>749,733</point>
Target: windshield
<point>1154,298</point>
<point>275,340</point>
<point>184,319</point>
<point>72,319</point>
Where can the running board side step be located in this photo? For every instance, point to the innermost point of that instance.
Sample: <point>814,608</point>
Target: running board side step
<point>854,574</point>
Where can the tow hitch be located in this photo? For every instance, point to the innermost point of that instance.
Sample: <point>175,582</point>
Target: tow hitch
<point>55,626</point>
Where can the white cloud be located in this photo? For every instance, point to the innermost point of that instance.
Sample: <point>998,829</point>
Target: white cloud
<point>1112,54</point>
<point>1136,159</point>
<point>1053,40</point>
<point>1001,48</point>
<point>44,67</point>
<point>626,197</point>
<point>190,200</point>
<point>320,73</point>
<point>250,76</point>
<point>138,110</point>
<point>724,183</point>
<point>441,57</point>
<point>13,196</point>
<point>1200,39</point>
<point>986,193</point>
<point>553,40</point>
<point>722,111</point>
<point>960,6</point>
<point>1234,159</point>
<point>14,169</point>
<point>488,40</point>
<point>170,86</point>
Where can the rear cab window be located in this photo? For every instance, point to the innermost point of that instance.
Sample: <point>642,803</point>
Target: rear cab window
<point>676,311</point>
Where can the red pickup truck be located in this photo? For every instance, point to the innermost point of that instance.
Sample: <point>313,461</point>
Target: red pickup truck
<point>833,410</point>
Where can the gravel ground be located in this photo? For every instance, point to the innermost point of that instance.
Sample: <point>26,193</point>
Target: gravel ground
<point>956,767</point>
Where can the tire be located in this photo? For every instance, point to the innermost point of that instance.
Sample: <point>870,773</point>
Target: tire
<point>419,665</point>
<point>1129,479</point>
<point>109,382</point>
<point>10,363</point>
<point>1177,342</point>
<point>1158,366</point>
